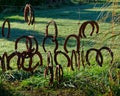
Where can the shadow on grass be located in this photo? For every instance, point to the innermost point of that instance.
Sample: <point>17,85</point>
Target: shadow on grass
<point>16,33</point>
<point>67,12</point>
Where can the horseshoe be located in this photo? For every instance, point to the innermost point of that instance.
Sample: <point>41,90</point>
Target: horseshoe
<point>2,58</point>
<point>49,69</point>
<point>36,44</point>
<point>30,68</point>
<point>56,29</point>
<point>29,10</point>
<point>12,55</point>
<point>99,61</point>
<point>59,73</point>
<point>82,58</point>
<point>60,52</point>
<point>3,28</point>
<point>27,39</point>
<point>75,57</point>
<point>49,59</point>
<point>82,29</point>
<point>8,58</point>
<point>28,45</point>
<point>83,26</point>
<point>78,60</point>
<point>30,49</point>
<point>99,58</point>
<point>109,50</point>
<point>1,64</point>
<point>97,27</point>
<point>55,41</point>
<point>77,39</point>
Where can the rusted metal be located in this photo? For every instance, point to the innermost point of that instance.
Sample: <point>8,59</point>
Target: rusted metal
<point>77,40</point>
<point>83,58</point>
<point>29,10</point>
<point>67,57</point>
<point>79,60</point>
<point>3,62</point>
<point>99,56</point>
<point>49,68</point>
<point>49,71</point>
<point>49,59</point>
<point>96,27</point>
<point>26,54</point>
<point>59,73</point>
<point>29,43</point>
<point>30,67</point>
<point>55,41</point>
<point>99,60</point>
<point>82,28</point>
<point>55,27</point>
<point>33,50</point>
<point>109,50</point>
<point>9,57</point>
<point>74,56</point>
<point>53,37</point>
<point>3,28</point>
<point>27,39</point>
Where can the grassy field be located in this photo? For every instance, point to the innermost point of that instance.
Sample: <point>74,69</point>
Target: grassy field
<point>89,81</point>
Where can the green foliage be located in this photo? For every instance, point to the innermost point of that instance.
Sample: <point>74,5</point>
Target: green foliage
<point>92,81</point>
<point>14,75</point>
<point>5,90</point>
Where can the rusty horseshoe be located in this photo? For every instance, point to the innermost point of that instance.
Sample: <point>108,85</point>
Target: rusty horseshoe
<point>82,28</point>
<point>49,70</point>
<point>99,60</point>
<point>29,43</point>
<point>109,50</point>
<point>59,73</point>
<point>56,29</point>
<point>77,39</point>
<point>27,39</point>
<point>29,10</point>
<point>75,58</point>
<point>49,59</point>
<point>60,52</point>
<point>55,41</point>
<point>3,28</point>
<point>30,68</point>
<point>3,58</point>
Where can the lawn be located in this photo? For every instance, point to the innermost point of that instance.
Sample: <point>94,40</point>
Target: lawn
<point>90,80</point>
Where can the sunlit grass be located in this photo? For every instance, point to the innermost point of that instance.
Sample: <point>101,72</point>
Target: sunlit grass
<point>67,20</point>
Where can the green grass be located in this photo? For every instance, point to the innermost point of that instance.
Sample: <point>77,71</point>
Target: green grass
<point>93,80</point>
